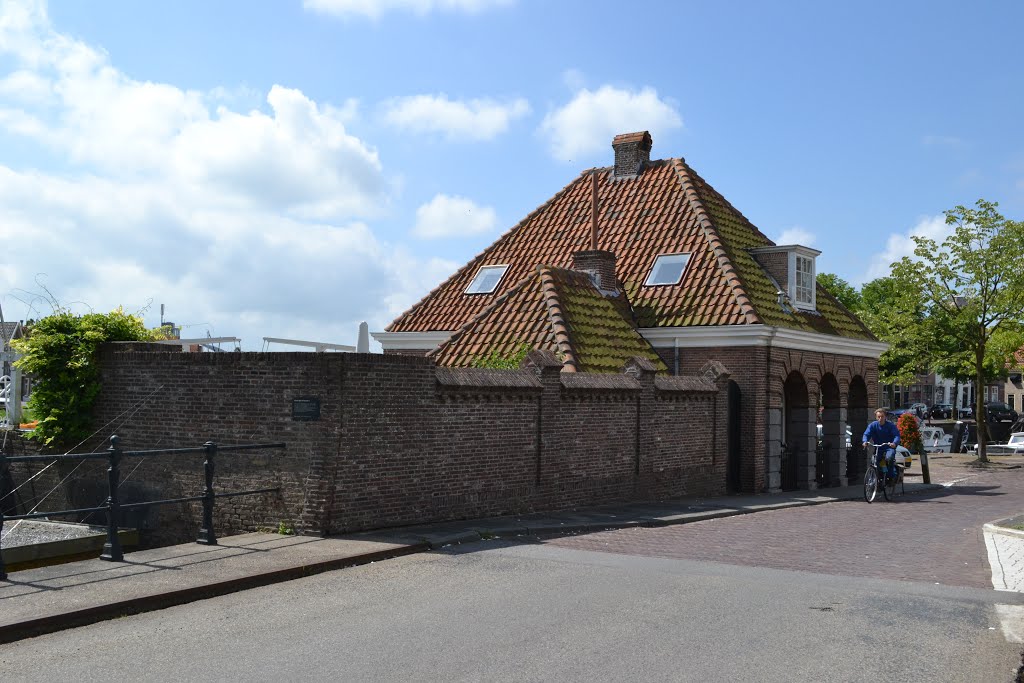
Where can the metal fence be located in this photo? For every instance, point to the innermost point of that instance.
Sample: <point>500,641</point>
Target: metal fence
<point>112,548</point>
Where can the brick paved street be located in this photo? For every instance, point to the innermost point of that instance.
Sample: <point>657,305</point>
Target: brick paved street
<point>934,537</point>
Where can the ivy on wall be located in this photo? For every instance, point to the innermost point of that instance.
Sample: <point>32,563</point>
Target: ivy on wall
<point>62,352</point>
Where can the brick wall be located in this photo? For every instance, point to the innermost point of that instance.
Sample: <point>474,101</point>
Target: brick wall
<point>34,484</point>
<point>400,441</point>
<point>777,265</point>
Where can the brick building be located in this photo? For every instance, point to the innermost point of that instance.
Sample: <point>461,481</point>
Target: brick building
<point>672,270</point>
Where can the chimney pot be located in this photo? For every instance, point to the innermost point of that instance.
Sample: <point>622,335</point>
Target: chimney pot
<point>632,153</point>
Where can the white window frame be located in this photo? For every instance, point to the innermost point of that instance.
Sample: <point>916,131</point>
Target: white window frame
<point>809,256</point>
<point>654,268</point>
<point>480,272</point>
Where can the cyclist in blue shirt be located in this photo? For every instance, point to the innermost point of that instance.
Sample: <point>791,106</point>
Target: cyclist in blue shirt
<point>883,433</point>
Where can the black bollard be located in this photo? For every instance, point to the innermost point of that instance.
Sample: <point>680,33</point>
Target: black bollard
<point>112,548</point>
<point>924,466</point>
<point>206,533</point>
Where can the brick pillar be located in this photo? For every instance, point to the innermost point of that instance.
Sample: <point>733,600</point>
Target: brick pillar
<point>717,373</point>
<point>549,370</point>
<point>643,371</point>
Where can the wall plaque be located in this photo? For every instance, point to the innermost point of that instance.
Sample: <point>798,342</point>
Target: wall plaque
<point>306,408</point>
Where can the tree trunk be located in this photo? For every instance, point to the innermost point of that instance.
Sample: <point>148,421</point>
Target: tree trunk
<point>980,418</point>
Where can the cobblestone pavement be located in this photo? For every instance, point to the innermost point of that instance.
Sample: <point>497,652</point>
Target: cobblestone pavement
<point>934,536</point>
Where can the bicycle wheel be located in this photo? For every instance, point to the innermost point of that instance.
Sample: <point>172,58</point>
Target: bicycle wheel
<point>870,484</point>
<point>888,486</point>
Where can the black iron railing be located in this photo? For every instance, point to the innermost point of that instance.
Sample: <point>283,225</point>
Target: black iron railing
<point>112,548</point>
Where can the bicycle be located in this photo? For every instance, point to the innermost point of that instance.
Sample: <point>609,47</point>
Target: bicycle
<point>877,477</point>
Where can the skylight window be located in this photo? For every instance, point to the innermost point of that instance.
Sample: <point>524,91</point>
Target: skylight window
<point>668,269</point>
<point>486,280</point>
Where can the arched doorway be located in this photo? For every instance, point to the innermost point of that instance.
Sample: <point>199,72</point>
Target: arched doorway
<point>732,476</point>
<point>831,445</point>
<point>858,414</point>
<point>798,435</point>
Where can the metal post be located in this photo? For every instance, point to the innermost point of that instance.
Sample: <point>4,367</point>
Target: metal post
<point>112,548</point>
<point>924,467</point>
<point>14,399</point>
<point>206,533</point>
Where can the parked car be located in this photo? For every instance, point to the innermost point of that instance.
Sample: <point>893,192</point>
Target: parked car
<point>936,440</point>
<point>941,411</point>
<point>966,413</point>
<point>1015,446</point>
<point>920,409</point>
<point>894,415</point>
<point>997,411</point>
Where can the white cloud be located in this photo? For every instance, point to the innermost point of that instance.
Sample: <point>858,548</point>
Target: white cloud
<point>445,216</point>
<point>588,123</point>
<point>796,235</point>
<point>477,119</point>
<point>901,244</point>
<point>374,8</point>
<point>26,86</point>
<point>244,223</point>
<point>298,157</point>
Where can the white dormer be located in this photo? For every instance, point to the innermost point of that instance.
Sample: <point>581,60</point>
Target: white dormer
<point>792,266</point>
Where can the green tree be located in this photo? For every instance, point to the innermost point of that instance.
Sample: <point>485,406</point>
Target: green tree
<point>842,290</point>
<point>973,286</point>
<point>62,354</point>
<point>895,313</point>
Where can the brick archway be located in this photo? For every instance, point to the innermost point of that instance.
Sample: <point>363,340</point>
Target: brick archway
<point>858,414</point>
<point>799,436</point>
<point>831,462</point>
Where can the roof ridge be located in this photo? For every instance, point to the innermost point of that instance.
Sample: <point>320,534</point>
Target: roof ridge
<point>481,315</point>
<point>501,238</point>
<point>725,264</point>
<point>556,315</point>
<point>729,204</point>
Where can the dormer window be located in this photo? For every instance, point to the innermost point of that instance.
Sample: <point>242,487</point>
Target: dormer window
<point>803,286</point>
<point>667,269</point>
<point>486,280</point>
<point>792,268</point>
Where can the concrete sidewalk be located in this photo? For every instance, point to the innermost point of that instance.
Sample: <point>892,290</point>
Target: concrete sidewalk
<point>47,599</point>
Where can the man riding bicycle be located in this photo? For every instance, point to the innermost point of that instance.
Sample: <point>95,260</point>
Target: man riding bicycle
<point>883,433</point>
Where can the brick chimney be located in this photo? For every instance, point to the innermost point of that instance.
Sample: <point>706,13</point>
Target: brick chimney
<point>600,265</point>
<point>632,154</point>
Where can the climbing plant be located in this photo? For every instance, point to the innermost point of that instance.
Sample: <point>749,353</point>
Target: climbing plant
<point>495,360</point>
<point>62,352</point>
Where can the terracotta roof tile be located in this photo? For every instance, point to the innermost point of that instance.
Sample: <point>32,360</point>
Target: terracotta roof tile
<point>666,209</point>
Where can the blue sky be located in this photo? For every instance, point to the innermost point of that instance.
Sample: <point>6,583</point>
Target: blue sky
<point>288,169</point>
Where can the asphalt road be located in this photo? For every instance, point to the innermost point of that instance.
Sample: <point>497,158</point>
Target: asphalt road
<point>497,611</point>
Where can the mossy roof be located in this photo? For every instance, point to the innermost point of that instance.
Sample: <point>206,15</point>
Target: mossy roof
<point>557,310</point>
